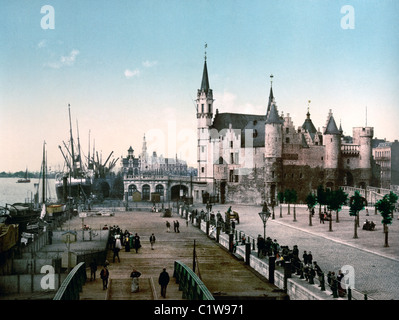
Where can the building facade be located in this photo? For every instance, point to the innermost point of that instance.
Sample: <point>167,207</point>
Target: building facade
<point>249,158</point>
<point>386,155</point>
<point>153,178</point>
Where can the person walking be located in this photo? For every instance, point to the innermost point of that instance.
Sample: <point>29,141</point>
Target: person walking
<point>117,248</point>
<point>167,226</point>
<point>137,244</point>
<point>341,288</point>
<point>127,243</point>
<point>104,275</point>
<point>310,257</point>
<point>305,258</point>
<point>152,241</point>
<point>163,280</point>
<point>93,269</point>
<point>319,272</point>
<point>177,226</point>
<point>135,281</point>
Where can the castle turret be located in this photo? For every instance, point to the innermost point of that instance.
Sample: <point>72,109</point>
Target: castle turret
<point>273,133</point>
<point>332,142</point>
<point>273,151</point>
<point>362,136</point>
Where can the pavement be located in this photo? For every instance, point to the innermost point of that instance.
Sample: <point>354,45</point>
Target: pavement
<point>375,267</point>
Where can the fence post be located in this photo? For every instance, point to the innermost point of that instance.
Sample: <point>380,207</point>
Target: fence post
<point>247,253</point>
<point>272,267</point>
<point>287,273</point>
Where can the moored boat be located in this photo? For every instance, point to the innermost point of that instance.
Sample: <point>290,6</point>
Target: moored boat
<point>25,179</point>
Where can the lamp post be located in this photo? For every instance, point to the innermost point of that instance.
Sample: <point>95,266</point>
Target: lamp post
<point>264,215</point>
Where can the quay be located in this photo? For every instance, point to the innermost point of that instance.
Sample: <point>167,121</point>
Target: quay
<point>225,276</point>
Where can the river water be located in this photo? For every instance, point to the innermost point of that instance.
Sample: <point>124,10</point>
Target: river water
<point>12,192</point>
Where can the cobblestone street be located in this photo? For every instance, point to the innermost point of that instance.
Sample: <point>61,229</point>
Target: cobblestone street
<point>376,267</point>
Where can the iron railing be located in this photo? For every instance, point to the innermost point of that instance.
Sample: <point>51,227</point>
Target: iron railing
<point>191,285</point>
<point>73,283</point>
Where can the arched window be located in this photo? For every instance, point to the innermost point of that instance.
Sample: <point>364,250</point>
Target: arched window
<point>132,189</point>
<point>159,189</point>
<point>146,192</point>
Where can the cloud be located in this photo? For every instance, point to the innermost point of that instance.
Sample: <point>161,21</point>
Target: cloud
<point>129,74</point>
<point>149,64</point>
<point>42,44</point>
<point>68,60</point>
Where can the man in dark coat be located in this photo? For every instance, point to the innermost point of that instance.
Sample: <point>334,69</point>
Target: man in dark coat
<point>104,274</point>
<point>163,281</point>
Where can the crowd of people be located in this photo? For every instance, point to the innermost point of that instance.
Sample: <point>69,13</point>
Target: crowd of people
<point>305,267</point>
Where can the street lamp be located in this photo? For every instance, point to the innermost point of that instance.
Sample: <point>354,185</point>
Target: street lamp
<point>264,215</point>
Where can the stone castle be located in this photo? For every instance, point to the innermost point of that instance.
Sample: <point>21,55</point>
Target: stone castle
<point>250,158</point>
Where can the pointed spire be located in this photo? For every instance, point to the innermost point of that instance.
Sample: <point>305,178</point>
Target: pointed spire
<point>205,80</point>
<point>331,127</point>
<point>271,96</point>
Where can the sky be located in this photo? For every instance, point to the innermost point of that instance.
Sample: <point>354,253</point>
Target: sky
<point>133,68</point>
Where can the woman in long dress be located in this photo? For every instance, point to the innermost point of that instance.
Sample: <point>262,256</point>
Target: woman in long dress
<point>135,280</point>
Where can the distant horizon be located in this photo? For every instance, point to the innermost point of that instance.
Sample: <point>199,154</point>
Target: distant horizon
<point>133,68</point>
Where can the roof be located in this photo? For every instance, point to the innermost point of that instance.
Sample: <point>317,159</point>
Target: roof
<point>332,127</point>
<point>242,122</point>
<point>237,120</point>
<point>309,126</point>
<point>273,116</point>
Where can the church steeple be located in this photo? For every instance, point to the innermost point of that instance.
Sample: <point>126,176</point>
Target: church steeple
<point>205,80</point>
<point>271,96</point>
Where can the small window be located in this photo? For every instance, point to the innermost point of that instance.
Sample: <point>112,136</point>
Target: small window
<point>202,108</point>
<point>231,144</point>
<point>202,169</point>
<point>287,140</point>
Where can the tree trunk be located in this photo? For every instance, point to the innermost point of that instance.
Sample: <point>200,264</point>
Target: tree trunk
<point>355,235</point>
<point>337,217</point>
<point>386,235</point>
<point>288,208</point>
<point>294,213</point>
<point>330,222</point>
<point>310,217</point>
<point>281,211</point>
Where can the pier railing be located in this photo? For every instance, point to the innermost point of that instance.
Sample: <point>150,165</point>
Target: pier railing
<point>191,285</point>
<point>73,283</point>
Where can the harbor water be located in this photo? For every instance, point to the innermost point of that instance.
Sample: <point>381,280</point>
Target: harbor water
<point>12,192</point>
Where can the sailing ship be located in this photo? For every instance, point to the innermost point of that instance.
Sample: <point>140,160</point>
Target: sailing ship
<point>76,182</point>
<point>25,179</point>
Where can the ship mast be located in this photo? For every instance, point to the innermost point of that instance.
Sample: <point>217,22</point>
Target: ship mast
<point>73,153</point>
<point>44,174</point>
